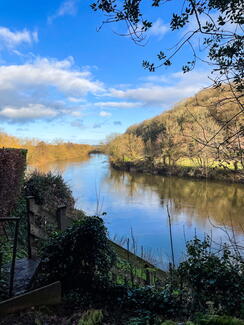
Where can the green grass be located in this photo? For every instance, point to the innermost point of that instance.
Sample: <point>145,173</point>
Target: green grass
<point>186,162</point>
<point>91,317</point>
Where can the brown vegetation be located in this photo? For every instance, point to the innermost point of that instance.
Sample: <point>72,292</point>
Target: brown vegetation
<point>204,131</point>
<point>40,152</point>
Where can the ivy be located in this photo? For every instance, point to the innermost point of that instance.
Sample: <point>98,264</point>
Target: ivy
<point>80,257</point>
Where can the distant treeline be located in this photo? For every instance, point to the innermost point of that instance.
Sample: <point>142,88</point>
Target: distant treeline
<point>40,152</point>
<point>204,131</point>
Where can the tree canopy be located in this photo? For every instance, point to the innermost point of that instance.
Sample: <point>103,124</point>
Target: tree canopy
<point>178,137</point>
<point>217,25</point>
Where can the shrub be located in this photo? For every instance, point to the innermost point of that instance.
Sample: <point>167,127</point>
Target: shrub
<point>80,257</point>
<point>215,278</point>
<point>49,189</point>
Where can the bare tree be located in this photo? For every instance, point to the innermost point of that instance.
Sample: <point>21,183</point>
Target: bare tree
<point>217,25</point>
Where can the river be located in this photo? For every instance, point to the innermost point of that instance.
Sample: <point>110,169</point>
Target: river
<point>136,206</point>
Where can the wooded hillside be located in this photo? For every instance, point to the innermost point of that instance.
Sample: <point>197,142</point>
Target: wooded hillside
<point>206,130</point>
<point>40,152</point>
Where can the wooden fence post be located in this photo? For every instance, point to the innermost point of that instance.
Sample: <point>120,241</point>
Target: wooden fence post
<point>12,269</point>
<point>148,276</point>
<point>28,204</point>
<point>61,217</point>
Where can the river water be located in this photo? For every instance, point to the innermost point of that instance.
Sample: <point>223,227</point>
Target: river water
<point>136,206</point>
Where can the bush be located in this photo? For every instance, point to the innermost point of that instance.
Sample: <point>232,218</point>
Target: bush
<point>80,257</point>
<point>213,278</point>
<point>160,301</point>
<point>49,189</point>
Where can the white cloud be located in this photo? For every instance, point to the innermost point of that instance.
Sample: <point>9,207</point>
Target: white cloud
<point>159,28</point>
<point>198,40</point>
<point>11,39</point>
<point>69,7</point>
<point>75,100</point>
<point>204,19</point>
<point>119,104</point>
<point>76,114</point>
<point>179,86</point>
<point>48,89</point>
<point>156,78</point>
<point>32,111</point>
<point>104,114</point>
<point>44,82</point>
<point>44,73</point>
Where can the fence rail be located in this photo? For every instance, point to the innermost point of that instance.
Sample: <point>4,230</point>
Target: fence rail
<point>135,271</point>
<point>36,218</point>
<point>130,269</point>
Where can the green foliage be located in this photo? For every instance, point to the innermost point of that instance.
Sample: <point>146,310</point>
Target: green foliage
<point>91,317</point>
<point>80,257</point>
<point>206,282</point>
<point>49,189</point>
<point>219,33</point>
<point>213,30</point>
<point>215,278</point>
<point>148,303</point>
<point>141,320</point>
<point>219,320</point>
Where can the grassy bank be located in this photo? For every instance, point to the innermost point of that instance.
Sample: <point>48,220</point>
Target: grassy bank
<point>184,169</point>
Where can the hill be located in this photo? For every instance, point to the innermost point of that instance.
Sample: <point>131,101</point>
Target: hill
<point>204,132</point>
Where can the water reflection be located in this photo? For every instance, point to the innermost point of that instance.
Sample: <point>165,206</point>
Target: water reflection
<point>57,166</point>
<point>138,202</point>
<point>197,200</point>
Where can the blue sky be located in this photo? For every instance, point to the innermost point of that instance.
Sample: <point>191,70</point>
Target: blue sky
<point>62,79</point>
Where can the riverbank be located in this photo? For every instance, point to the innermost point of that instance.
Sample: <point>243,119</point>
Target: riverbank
<point>40,152</point>
<point>211,173</point>
<point>103,281</point>
<point>128,198</point>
